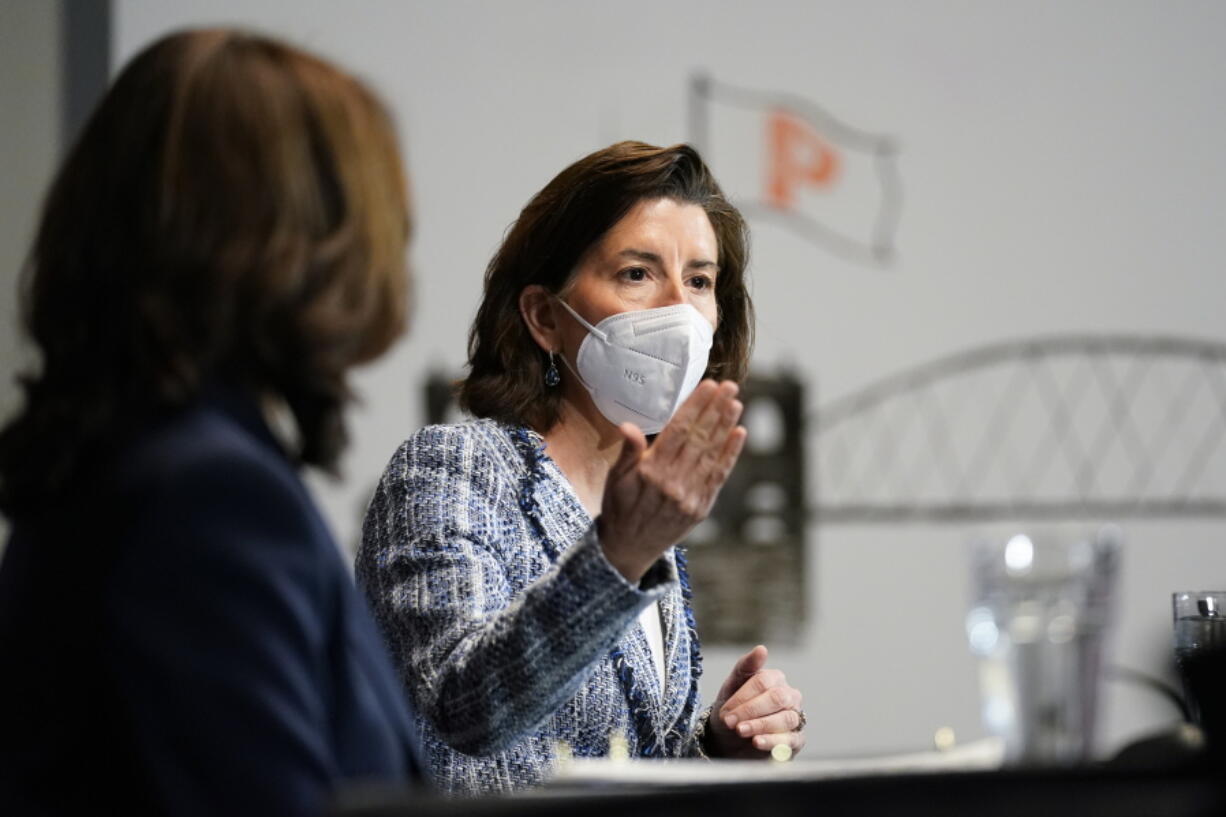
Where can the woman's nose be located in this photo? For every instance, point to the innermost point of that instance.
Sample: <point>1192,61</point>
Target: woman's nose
<point>673,292</point>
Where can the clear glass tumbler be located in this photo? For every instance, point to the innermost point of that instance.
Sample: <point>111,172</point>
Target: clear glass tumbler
<point>1042,604</point>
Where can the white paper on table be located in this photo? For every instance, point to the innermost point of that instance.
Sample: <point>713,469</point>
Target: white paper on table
<point>978,755</point>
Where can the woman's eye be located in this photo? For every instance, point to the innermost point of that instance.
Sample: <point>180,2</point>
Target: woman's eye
<point>635,274</point>
<point>701,282</point>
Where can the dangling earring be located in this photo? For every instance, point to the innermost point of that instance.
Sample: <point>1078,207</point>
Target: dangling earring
<point>551,374</point>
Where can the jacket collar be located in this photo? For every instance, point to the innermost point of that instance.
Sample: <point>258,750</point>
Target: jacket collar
<point>244,407</point>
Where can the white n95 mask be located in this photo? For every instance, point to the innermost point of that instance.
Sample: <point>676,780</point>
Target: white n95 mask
<point>639,366</point>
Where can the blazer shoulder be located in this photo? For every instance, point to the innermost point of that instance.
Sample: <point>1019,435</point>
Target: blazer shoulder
<point>479,451</point>
<point>206,480</point>
<point>204,446</point>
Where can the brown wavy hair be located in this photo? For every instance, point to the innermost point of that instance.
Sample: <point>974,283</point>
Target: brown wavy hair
<point>234,211</point>
<point>506,378</point>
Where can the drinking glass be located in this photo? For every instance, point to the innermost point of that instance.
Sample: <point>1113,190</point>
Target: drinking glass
<point>1042,604</point>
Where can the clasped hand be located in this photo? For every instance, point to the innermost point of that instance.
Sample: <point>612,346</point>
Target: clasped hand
<point>654,496</point>
<point>755,711</point>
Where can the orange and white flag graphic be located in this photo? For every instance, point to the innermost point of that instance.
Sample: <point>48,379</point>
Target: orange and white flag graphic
<point>783,158</point>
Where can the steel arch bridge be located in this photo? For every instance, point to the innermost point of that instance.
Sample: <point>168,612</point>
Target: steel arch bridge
<point>1071,426</point>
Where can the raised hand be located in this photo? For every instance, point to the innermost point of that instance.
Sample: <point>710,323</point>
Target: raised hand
<point>655,496</point>
<point>755,711</point>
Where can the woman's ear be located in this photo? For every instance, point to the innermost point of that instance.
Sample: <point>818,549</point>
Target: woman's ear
<point>536,306</point>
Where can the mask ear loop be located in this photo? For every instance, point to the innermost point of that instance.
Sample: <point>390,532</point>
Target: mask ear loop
<point>572,370</point>
<point>592,329</point>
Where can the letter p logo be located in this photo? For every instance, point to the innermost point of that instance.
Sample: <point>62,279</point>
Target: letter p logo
<point>796,155</point>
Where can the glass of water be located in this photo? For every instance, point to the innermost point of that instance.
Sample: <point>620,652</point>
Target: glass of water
<point>1038,620</point>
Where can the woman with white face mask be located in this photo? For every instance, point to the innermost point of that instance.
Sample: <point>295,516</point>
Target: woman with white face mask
<point>524,566</point>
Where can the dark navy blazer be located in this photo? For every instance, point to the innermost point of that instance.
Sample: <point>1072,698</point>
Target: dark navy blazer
<point>185,638</point>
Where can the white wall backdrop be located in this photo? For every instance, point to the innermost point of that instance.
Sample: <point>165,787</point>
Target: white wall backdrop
<point>1061,170</point>
<point>30,89</point>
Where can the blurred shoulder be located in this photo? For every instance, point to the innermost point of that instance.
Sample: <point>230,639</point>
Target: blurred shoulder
<point>210,451</point>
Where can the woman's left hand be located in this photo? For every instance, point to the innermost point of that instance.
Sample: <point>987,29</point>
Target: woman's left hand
<point>755,711</point>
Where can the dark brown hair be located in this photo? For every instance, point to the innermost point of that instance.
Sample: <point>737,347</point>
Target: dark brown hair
<point>234,211</point>
<point>506,379</point>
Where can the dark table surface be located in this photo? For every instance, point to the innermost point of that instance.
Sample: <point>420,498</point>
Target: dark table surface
<point>1085,792</point>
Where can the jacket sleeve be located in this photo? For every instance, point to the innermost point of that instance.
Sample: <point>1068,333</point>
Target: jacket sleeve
<point>485,666</point>
<point>218,610</point>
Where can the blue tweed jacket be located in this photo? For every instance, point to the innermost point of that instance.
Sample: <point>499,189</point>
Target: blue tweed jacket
<point>510,629</point>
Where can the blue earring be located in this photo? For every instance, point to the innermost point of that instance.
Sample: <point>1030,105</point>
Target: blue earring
<point>551,374</point>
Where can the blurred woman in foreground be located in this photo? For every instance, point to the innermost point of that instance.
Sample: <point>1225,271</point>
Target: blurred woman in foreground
<point>523,564</point>
<point>179,632</point>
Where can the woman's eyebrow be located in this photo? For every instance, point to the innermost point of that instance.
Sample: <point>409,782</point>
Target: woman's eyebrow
<point>653,258</point>
<point>641,255</point>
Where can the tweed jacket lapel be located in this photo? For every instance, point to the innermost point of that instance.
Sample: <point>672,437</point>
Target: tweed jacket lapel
<point>669,700</point>
<point>676,650</point>
<point>566,526</point>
